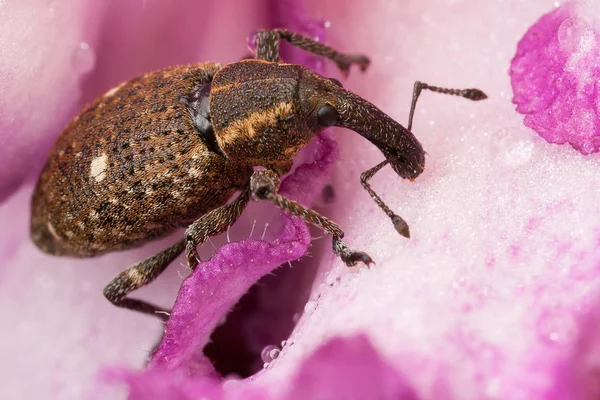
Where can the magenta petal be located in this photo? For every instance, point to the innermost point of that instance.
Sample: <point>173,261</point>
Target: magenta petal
<point>215,286</point>
<point>162,385</point>
<point>350,369</point>
<point>554,75</point>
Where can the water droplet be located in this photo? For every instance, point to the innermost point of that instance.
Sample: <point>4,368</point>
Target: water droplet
<point>84,58</point>
<point>274,353</point>
<point>587,148</point>
<point>310,306</point>
<point>266,365</point>
<point>283,343</point>
<point>269,353</point>
<point>574,36</point>
<point>555,327</point>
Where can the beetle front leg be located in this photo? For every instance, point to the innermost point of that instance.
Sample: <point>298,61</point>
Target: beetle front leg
<point>267,48</point>
<point>140,275</point>
<point>213,223</point>
<point>264,185</point>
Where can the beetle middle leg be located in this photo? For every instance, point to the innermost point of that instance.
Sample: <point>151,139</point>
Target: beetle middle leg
<point>213,223</point>
<point>264,185</point>
<point>401,225</point>
<point>267,48</point>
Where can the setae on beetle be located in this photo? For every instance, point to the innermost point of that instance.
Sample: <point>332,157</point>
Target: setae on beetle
<point>168,149</point>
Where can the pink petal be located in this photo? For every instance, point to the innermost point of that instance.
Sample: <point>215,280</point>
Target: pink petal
<point>495,295</point>
<point>46,50</point>
<point>348,368</point>
<point>554,75</point>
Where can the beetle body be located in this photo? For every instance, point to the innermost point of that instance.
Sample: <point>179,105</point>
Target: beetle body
<point>168,150</point>
<point>131,167</point>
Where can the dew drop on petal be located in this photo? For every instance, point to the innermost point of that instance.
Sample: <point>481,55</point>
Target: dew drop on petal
<point>574,36</point>
<point>273,354</point>
<point>587,148</point>
<point>269,353</point>
<point>84,58</point>
<point>310,306</point>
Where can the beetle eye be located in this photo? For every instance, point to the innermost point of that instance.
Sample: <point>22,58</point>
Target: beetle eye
<point>335,81</point>
<point>327,116</point>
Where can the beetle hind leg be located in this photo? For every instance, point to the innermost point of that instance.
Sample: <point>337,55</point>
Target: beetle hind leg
<point>140,275</point>
<point>267,48</point>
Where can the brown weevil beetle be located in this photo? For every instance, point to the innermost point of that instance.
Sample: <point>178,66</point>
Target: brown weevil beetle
<point>168,149</point>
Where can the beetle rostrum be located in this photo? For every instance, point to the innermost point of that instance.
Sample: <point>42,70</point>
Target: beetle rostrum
<point>170,148</point>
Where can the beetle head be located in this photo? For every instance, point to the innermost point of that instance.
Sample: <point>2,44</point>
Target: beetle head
<point>326,103</point>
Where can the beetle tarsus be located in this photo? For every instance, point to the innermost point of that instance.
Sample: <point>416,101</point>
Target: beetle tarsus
<point>349,256</point>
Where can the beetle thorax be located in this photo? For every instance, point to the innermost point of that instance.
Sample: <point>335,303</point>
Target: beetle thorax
<point>256,114</point>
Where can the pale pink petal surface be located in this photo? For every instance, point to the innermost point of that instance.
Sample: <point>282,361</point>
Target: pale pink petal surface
<point>494,296</point>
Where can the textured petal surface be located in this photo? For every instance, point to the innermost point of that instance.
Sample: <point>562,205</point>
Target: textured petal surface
<point>554,76</point>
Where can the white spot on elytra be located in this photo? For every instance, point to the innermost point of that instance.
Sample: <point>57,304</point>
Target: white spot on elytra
<point>98,167</point>
<point>52,230</point>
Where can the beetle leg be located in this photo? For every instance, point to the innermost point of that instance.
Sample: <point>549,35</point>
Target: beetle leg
<point>139,275</point>
<point>213,223</point>
<point>264,185</point>
<point>267,48</point>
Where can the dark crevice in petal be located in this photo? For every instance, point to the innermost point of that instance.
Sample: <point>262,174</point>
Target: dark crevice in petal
<point>263,318</point>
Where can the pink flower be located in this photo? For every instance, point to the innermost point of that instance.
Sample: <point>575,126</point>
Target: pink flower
<point>494,296</point>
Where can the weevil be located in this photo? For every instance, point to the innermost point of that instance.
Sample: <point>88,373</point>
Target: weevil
<point>170,148</point>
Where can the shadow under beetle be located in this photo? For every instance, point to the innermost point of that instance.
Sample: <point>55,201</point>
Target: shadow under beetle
<point>168,149</point>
